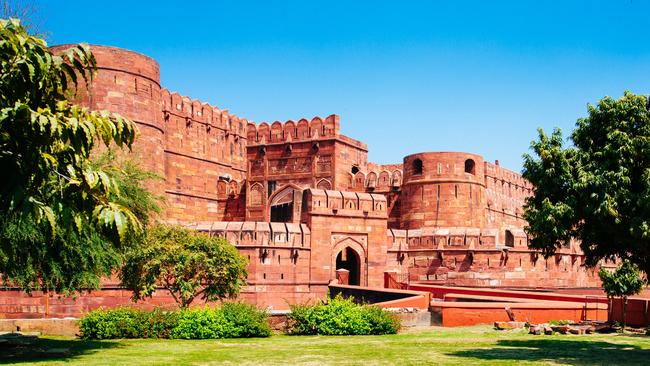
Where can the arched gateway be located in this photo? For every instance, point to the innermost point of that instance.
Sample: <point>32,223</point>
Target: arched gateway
<point>349,260</point>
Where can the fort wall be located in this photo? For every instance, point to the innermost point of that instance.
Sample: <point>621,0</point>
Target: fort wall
<point>301,201</point>
<point>128,83</point>
<point>205,170</point>
<point>442,190</point>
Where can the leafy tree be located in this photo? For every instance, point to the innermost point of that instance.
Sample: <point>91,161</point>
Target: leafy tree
<point>62,226</point>
<point>186,263</point>
<point>131,181</point>
<point>625,281</point>
<point>598,190</point>
<point>26,11</point>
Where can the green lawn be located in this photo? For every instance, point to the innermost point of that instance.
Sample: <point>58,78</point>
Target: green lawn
<point>439,346</point>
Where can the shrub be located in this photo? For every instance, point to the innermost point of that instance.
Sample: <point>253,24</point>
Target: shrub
<point>246,320</point>
<point>231,320</point>
<point>161,323</point>
<point>341,317</point>
<point>115,323</point>
<point>204,323</point>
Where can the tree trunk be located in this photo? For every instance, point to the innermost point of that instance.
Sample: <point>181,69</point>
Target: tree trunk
<point>610,309</point>
<point>624,306</point>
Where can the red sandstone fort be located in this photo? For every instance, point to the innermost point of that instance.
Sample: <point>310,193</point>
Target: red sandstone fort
<point>302,202</point>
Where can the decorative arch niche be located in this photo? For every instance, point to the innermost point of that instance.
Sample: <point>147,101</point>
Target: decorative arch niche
<point>324,184</point>
<point>257,194</point>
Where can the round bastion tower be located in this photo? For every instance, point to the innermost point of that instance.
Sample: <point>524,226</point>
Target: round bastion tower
<point>128,83</point>
<point>443,189</point>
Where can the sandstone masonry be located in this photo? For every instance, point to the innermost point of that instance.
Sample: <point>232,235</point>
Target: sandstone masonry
<point>301,201</point>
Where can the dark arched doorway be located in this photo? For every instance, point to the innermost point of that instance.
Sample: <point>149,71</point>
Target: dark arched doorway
<point>348,259</point>
<point>281,206</point>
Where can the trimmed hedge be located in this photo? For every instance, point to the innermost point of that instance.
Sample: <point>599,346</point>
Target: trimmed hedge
<point>341,316</point>
<point>231,320</point>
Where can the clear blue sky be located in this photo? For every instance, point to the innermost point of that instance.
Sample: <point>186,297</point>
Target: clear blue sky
<point>405,76</point>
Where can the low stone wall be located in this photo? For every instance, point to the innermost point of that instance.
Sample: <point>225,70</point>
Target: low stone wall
<point>455,314</point>
<point>57,327</point>
<point>637,312</point>
<point>440,292</point>
<point>384,297</point>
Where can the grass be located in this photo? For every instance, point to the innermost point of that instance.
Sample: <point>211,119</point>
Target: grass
<point>439,346</point>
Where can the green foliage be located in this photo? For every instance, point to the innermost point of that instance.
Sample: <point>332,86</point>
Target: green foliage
<point>113,324</point>
<point>246,320</point>
<point>231,320</point>
<point>62,227</point>
<point>625,281</point>
<point>341,316</point>
<point>75,258</point>
<point>560,322</point>
<point>187,263</point>
<point>598,190</point>
<point>131,181</point>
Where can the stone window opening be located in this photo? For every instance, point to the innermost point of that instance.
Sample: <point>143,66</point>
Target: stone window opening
<point>355,169</point>
<point>470,166</point>
<point>417,167</point>
<point>510,239</point>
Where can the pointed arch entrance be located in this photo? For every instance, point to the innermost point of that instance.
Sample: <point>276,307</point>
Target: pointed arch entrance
<point>349,260</point>
<point>349,253</point>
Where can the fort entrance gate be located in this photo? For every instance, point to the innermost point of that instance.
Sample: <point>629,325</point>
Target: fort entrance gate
<point>349,260</point>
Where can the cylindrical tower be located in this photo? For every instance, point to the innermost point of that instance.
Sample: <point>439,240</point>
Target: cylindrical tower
<point>128,83</point>
<point>443,189</point>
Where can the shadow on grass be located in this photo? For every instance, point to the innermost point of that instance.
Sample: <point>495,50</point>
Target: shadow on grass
<point>569,352</point>
<point>48,349</point>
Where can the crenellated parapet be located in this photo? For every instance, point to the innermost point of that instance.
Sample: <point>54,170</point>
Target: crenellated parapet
<point>199,130</point>
<point>344,204</point>
<point>376,178</point>
<point>289,131</point>
<point>194,111</point>
<point>250,233</point>
<point>452,238</point>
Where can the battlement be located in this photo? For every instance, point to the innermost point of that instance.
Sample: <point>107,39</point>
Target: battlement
<point>252,233</point>
<point>290,131</point>
<point>194,111</point>
<point>377,178</point>
<point>344,203</point>
<point>454,238</point>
